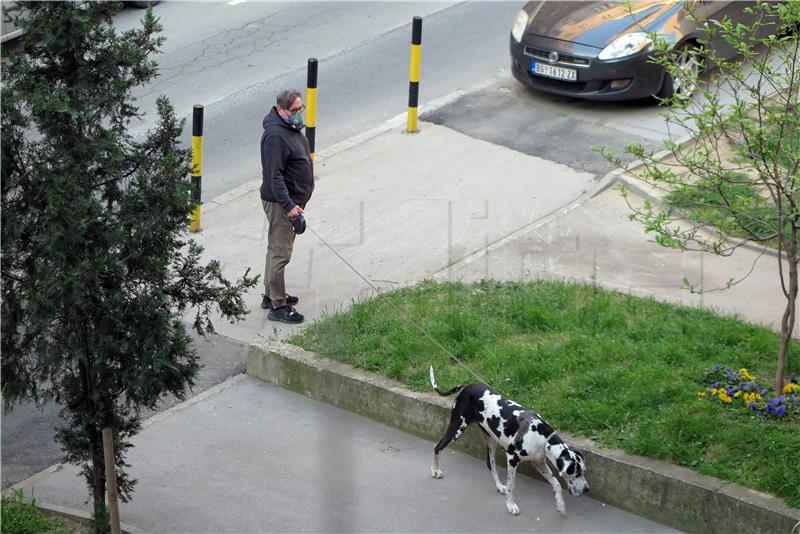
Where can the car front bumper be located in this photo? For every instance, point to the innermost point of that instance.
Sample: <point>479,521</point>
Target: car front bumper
<point>595,78</point>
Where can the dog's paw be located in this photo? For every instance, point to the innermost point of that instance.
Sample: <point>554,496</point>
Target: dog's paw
<point>560,506</point>
<point>502,490</point>
<point>512,508</point>
<point>437,473</point>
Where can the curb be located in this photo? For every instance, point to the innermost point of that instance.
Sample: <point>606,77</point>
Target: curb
<point>656,197</point>
<point>669,494</point>
<point>648,192</point>
<point>84,518</point>
<point>608,180</point>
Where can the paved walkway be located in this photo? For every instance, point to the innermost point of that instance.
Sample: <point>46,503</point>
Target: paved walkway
<point>250,457</point>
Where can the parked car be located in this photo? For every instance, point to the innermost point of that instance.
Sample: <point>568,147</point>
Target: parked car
<point>602,50</point>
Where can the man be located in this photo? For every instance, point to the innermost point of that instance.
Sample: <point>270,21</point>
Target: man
<point>287,183</point>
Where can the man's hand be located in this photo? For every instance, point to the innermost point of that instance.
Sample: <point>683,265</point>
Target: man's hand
<point>295,211</point>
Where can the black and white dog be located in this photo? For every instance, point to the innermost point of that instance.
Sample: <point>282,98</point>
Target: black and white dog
<point>523,434</point>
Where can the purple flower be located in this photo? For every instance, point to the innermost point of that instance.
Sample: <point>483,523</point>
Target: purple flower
<point>752,405</point>
<point>781,399</point>
<point>770,408</point>
<point>780,411</point>
<point>743,385</point>
<point>717,367</point>
<point>764,392</point>
<point>793,378</point>
<point>714,385</point>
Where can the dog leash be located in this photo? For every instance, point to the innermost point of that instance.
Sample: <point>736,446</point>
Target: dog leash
<point>397,308</point>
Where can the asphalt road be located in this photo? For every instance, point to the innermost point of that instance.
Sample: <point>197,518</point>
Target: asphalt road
<point>359,87</point>
<point>234,60</point>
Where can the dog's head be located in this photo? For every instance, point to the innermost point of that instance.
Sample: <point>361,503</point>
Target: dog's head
<point>572,469</point>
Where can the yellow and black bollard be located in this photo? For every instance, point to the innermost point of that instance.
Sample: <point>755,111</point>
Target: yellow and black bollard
<point>197,166</point>
<point>311,105</point>
<point>413,76</point>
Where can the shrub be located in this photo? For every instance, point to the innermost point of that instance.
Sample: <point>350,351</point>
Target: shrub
<point>21,516</point>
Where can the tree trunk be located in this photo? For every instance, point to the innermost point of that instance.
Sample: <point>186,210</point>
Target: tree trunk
<point>97,482</point>
<point>788,320</point>
<point>100,516</point>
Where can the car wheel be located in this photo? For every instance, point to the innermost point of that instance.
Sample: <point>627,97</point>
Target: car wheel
<point>689,66</point>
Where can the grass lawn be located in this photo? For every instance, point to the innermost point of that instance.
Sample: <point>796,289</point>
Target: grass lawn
<point>621,370</point>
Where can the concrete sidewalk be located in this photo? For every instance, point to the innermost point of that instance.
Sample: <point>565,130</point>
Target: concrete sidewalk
<point>399,208</point>
<point>441,205</point>
<point>247,456</point>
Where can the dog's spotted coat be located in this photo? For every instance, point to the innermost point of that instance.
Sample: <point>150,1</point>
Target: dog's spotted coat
<point>523,434</point>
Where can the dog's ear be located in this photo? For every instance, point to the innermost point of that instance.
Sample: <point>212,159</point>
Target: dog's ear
<point>561,465</point>
<point>580,466</point>
<point>570,463</point>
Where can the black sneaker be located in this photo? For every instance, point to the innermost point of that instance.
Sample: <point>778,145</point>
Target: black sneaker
<point>285,314</point>
<point>266,302</point>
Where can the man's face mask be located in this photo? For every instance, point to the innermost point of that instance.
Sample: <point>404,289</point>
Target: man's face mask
<point>296,119</point>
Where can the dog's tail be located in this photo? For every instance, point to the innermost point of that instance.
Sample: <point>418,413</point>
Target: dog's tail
<point>444,393</point>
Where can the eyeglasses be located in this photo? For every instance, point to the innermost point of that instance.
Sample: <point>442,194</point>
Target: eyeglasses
<point>297,110</point>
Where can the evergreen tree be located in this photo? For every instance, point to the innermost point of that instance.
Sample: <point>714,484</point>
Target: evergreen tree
<point>97,272</point>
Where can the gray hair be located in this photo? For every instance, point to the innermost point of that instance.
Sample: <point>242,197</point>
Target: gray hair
<point>286,98</point>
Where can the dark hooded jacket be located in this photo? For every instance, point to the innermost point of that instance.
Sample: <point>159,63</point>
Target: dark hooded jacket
<point>287,174</point>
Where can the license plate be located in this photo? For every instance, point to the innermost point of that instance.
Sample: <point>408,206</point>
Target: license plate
<point>551,71</point>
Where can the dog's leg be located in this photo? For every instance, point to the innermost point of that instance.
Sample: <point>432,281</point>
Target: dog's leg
<point>511,506</point>
<point>491,445</point>
<point>454,431</point>
<point>544,470</point>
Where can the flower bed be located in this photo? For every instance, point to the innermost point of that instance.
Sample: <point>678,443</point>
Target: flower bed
<point>740,388</point>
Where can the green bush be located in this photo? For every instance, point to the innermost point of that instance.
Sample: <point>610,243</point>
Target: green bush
<point>21,516</point>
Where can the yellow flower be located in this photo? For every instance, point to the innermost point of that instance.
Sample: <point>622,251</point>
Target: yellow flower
<point>701,394</point>
<point>744,374</point>
<point>713,392</point>
<point>737,394</point>
<point>790,388</point>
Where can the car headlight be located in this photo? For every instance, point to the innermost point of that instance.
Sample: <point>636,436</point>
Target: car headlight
<point>520,23</point>
<point>625,45</point>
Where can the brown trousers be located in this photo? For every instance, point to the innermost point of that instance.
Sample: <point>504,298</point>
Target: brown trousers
<point>280,241</point>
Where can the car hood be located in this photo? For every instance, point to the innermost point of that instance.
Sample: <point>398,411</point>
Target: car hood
<point>593,23</point>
